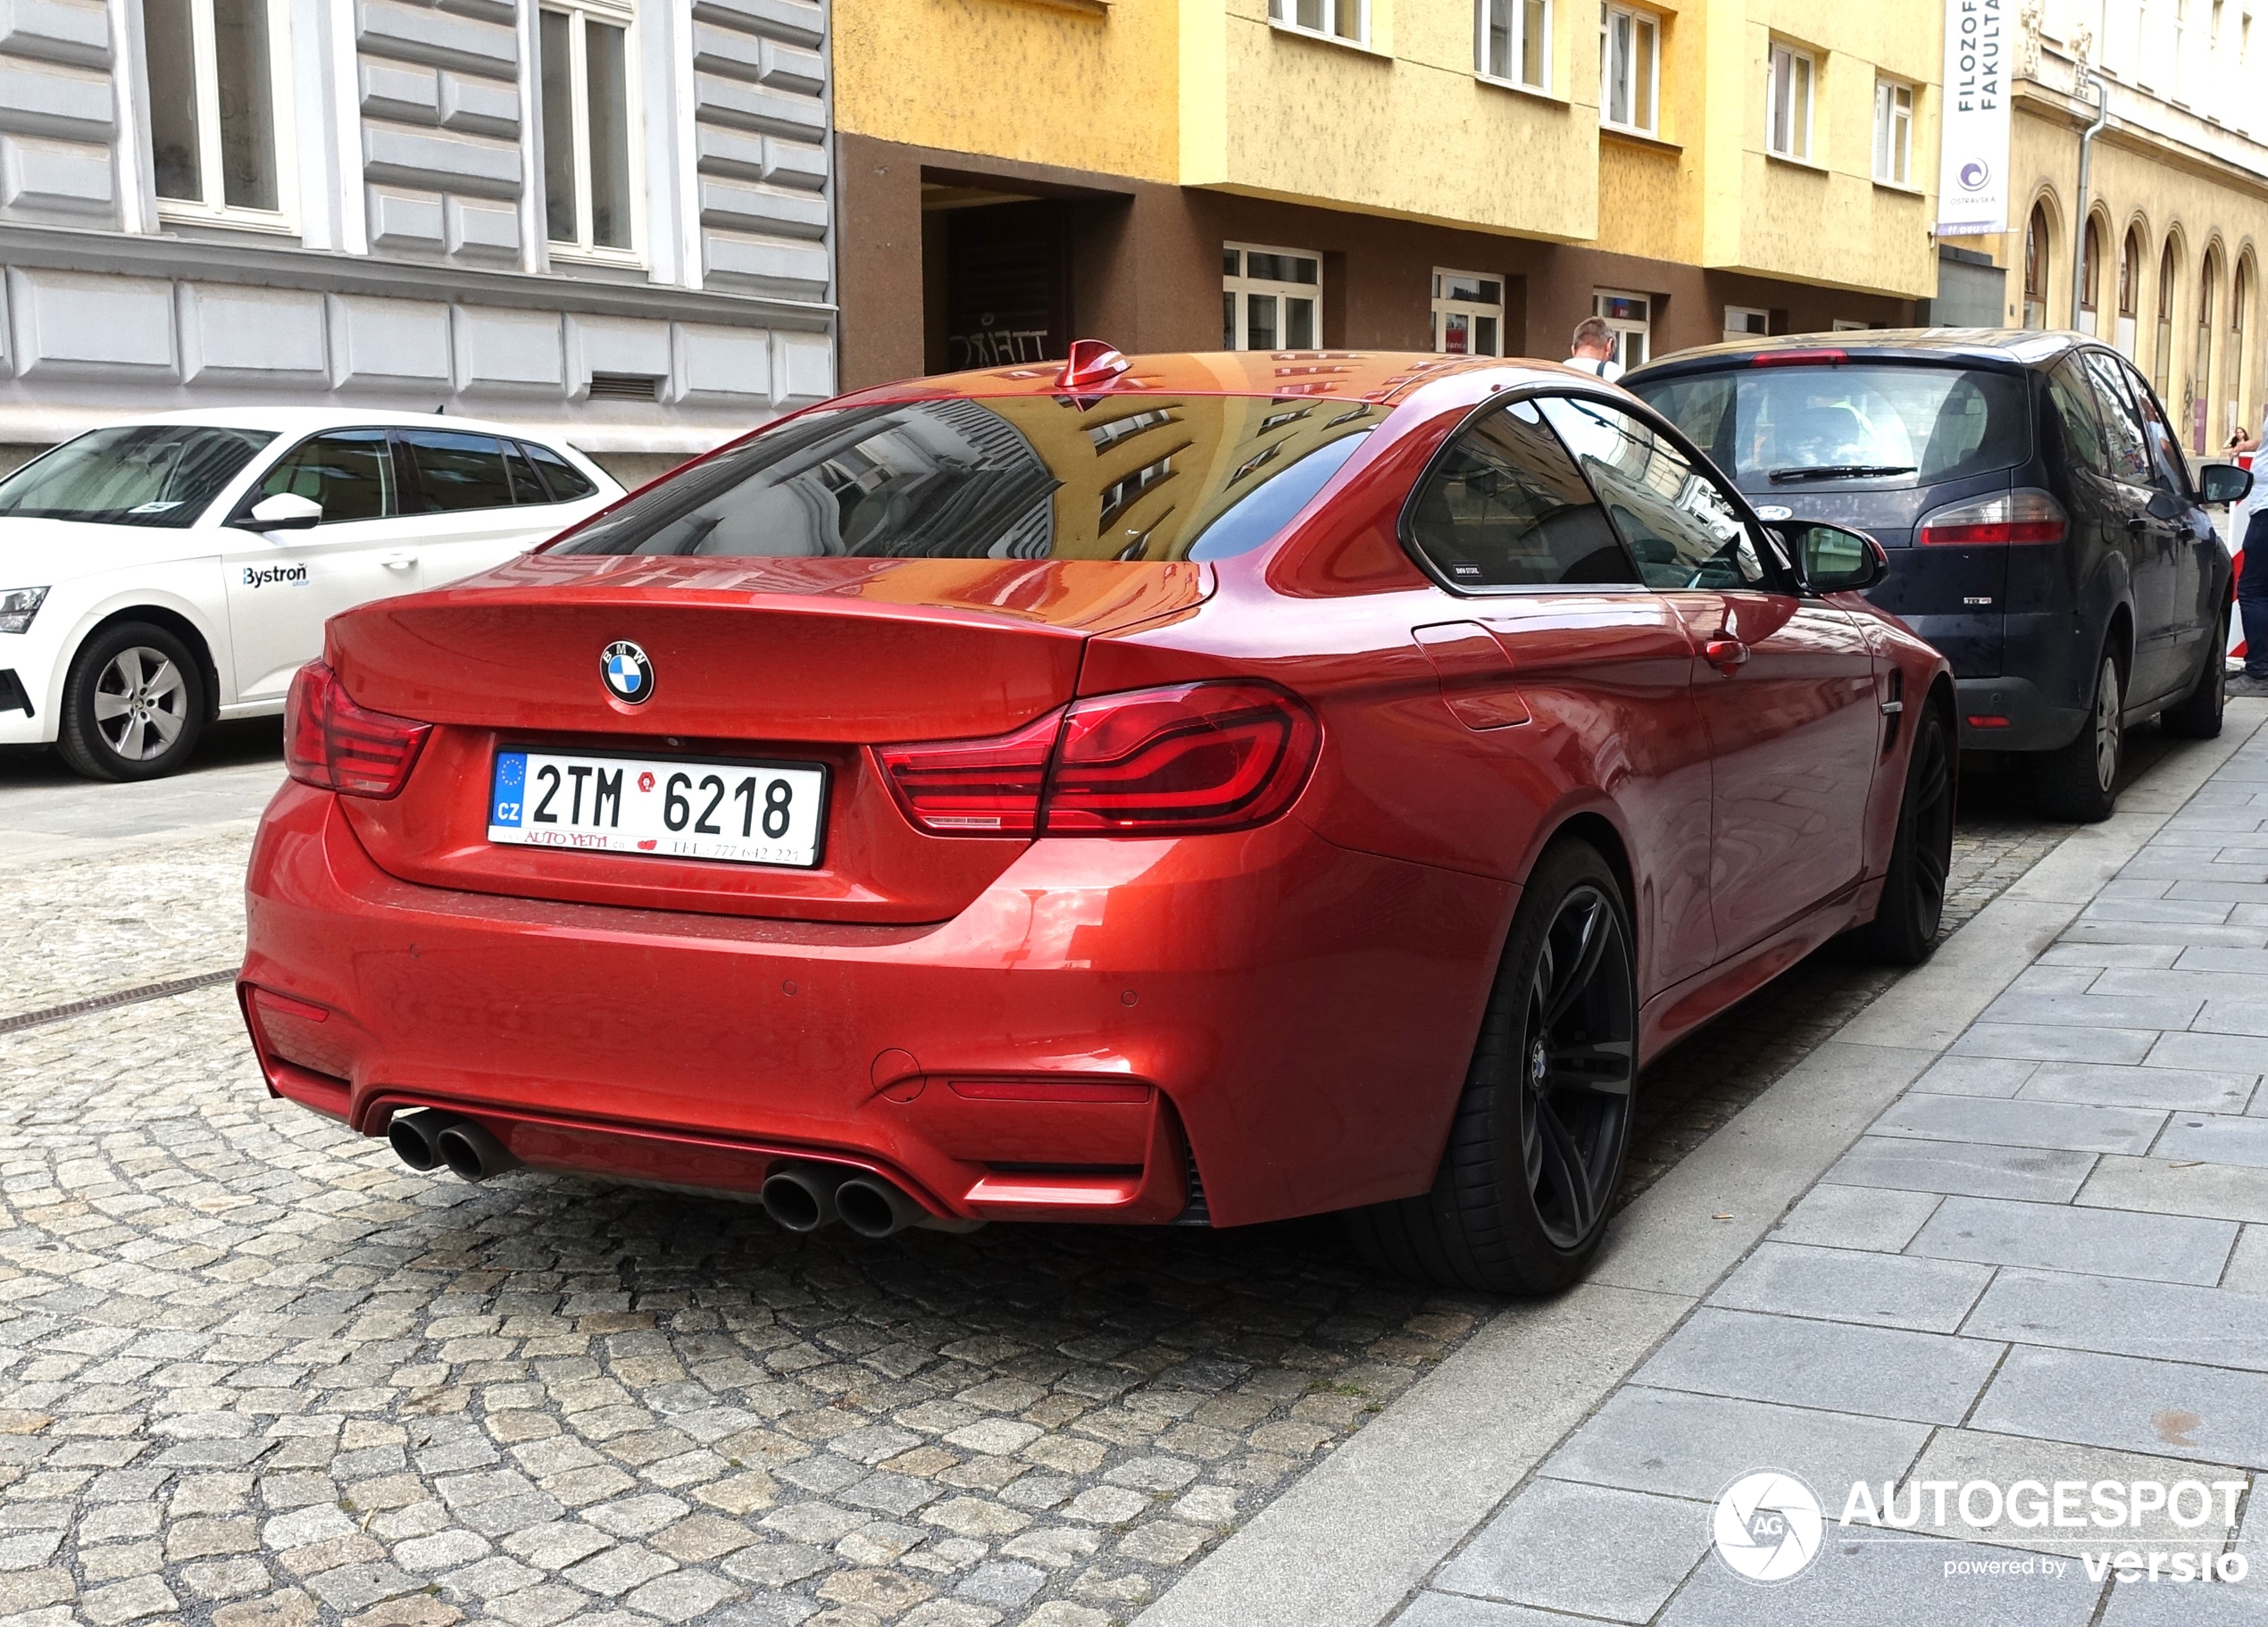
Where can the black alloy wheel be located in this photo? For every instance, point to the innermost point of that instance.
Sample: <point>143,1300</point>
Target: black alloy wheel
<point>1905,927</point>
<point>1528,1178</point>
<point>2196,715</point>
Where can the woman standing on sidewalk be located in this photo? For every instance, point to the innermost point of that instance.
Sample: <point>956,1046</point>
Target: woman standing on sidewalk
<point>2249,534</point>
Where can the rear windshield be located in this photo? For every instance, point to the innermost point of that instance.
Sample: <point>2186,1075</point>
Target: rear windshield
<point>161,475</point>
<point>1117,477</point>
<point>1792,427</point>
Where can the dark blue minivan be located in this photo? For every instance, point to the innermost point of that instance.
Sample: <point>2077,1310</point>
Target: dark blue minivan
<point>2043,530</point>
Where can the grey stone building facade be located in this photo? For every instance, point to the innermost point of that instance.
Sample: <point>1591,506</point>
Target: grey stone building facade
<point>608,218</point>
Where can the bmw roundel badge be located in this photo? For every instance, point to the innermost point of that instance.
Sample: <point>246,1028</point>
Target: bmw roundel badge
<point>627,674</point>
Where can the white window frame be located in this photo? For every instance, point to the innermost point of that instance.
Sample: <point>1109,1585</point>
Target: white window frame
<point>1844,324</point>
<point>581,15</point>
<point>213,209</point>
<point>1734,336</point>
<point>1624,327</point>
<point>1484,11</point>
<point>1444,306</point>
<point>1244,286</point>
<point>1782,51</point>
<point>1285,14</point>
<point>1899,121</point>
<point>1648,120</point>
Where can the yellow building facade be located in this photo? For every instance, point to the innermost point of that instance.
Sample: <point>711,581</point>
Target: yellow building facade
<point>1419,174</point>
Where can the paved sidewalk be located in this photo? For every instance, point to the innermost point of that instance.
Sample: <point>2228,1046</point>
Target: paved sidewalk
<point>2012,1224</point>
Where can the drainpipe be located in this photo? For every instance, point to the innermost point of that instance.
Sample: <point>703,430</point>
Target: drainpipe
<point>2086,153</point>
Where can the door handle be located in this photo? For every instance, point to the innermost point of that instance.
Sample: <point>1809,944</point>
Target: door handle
<point>1727,654</point>
<point>398,561</point>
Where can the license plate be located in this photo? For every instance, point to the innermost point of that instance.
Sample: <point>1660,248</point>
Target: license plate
<point>680,807</point>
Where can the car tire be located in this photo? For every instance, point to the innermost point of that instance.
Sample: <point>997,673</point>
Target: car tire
<point>133,704</point>
<point>2196,715</point>
<point>1905,927</point>
<point>1535,1152</point>
<point>2079,782</point>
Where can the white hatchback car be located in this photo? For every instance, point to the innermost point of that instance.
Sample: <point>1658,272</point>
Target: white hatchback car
<point>155,575</point>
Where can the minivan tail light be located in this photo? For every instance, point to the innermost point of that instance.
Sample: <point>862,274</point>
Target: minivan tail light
<point>1995,521</point>
<point>332,743</point>
<point>1178,760</point>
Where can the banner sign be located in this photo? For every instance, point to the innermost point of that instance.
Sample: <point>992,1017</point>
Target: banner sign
<point>1972,171</point>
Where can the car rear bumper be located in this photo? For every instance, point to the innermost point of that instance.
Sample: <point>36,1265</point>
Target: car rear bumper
<point>2027,722</point>
<point>1293,1016</point>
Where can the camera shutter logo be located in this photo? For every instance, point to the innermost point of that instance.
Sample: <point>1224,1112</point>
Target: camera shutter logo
<point>629,675</point>
<point>1767,1526</point>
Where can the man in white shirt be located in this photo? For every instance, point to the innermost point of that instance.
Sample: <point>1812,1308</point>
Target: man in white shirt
<point>1594,349</point>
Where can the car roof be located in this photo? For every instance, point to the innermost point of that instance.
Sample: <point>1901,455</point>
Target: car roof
<point>1354,375</point>
<point>2000,346</point>
<point>307,420</point>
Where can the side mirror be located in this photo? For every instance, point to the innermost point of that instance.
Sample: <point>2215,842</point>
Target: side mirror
<point>2225,483</point>
<point>1835,559</point>
<point>285,511</point>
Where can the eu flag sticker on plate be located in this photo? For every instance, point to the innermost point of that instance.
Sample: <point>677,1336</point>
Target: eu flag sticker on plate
<point>511,783</point>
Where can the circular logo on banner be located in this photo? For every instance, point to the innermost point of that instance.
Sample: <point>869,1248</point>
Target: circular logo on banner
<point>1974,174</point>
<point>629,675</point>
<point>1767,1526</point>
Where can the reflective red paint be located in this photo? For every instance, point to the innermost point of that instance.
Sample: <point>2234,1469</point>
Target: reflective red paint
<point>1066,1025</point>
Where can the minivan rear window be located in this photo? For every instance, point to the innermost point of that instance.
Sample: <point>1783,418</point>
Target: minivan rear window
<point>1789,428</point>
<point>1120,477</point>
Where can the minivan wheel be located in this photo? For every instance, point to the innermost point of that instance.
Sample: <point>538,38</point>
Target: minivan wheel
<point>1905,927</point>
<point>133,704</point>
<point>2080,783</point>
<point>2196,715</point>
<point>1535,1152</point>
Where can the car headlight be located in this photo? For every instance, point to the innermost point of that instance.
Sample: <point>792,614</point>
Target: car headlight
<point>17,605</point>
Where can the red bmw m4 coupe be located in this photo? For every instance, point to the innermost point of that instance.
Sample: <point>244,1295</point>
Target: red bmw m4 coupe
<point>1200,788</point>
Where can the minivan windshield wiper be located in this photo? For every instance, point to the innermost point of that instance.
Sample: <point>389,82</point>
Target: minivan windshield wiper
<point>1840,471</point>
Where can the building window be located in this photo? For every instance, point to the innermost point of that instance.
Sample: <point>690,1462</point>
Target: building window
<point>2130,291</point>
<point>1347,19</point>
<point>2035,268</point>
<point>1788,93</point>
<point>2201,378</point>
<point>1629,64</point>
<point>1631,317</point>
<point>1514,41</point>
<point>214,66</point>
<point>1745,322</point>
<point>1468,314</point>
<point>2090,277</point>
<point>1893,133</point>
<point>587,133</point>
<point>2162,361</point>
<point>1268,298</point>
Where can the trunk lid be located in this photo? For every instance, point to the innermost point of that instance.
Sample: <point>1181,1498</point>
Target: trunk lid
<point>804,660</point>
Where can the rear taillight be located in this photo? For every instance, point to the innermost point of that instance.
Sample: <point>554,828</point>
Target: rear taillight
<point>2003,518</point>
<point>1181,759</point>
<point>331,742</point>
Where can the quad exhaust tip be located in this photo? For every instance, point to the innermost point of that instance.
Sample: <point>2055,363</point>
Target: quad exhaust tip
<point>426,1139</point>
<point>802,1197</point>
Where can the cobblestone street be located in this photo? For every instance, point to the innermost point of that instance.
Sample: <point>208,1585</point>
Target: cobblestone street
<point>254,1371</point>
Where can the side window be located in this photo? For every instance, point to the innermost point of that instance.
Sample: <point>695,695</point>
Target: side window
<point>2073,400</point>
<point>455,471</point>
<point>526,486</point>
<point>1504,508</point>
<point>346,471</point>
<point>566,481</point>
<point>2126,451</point>
<point>1679,521</point>
<point>2172,469</point>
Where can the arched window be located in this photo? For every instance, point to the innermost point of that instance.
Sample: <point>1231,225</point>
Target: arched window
<point>2197,397</point>
<point>2162,356</point>
<point>2235,379</point>
<point>2129,274</point>
<point>2035,268</point>
<point>2090,278</point>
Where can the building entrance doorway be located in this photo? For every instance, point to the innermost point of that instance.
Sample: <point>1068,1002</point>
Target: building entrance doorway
<point>996,280</point>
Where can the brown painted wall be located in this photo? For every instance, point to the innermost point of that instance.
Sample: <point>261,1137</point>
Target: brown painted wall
<point>1145,268</point>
